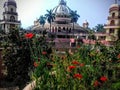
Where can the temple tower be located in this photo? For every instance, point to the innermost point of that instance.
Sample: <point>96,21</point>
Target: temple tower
<point>113,22</point>
<point>10,16</point>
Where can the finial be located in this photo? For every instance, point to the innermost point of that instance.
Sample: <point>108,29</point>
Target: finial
<point>116,1</point>
<point>62,2</point>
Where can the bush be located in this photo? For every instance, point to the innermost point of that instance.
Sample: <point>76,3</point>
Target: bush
<point>17,58</point>
<point>87,69</point>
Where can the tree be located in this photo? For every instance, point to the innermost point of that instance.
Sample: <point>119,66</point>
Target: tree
<point>42,20</point>
<point>50,17</point>
<point>17,58</point>
<point>99,28</point>
<point>74,17</point>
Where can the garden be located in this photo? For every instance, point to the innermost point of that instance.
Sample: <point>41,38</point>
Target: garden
<point>31,58</point>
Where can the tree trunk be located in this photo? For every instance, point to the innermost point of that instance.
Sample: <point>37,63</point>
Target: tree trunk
<point>50,26</point>
<point>73,29</point>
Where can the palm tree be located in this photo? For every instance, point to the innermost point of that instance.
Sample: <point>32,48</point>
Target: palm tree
<point>42,20</point>
<point>50,17</point>
<point>74,17</point>
<point>99,28</point>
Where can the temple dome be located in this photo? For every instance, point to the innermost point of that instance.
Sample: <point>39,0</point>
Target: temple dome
<point>10,2</point>
<point>114,7</point>
<point>62,9</point>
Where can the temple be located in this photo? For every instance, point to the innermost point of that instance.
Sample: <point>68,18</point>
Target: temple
<point>62,25</point>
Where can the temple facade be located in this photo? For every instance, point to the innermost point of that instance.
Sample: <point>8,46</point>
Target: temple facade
<point>62,25</point>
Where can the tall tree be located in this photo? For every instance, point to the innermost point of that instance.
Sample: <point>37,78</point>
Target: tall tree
<point>74,17</point>
<point>50,17</point>
<point>42,20</point>
<point>99,28</point>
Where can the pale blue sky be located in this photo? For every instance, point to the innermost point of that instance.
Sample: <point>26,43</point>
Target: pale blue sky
<point>94,11</point>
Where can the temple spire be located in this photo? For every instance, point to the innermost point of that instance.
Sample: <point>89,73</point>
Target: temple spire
<point>62,2</point>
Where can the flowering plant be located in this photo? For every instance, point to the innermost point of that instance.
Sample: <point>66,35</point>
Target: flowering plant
<point>87,69</point>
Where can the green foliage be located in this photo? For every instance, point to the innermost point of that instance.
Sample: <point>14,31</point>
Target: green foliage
<point>42,20</point>
<point>116,86</point>
<point>17,58</point>
<point>119,34</point>
<point>91,63</point>
<point>74,16</point>
<point>50,17</point>
<point>99,28</point>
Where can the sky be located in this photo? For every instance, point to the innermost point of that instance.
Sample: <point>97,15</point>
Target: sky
<point>94,11</point>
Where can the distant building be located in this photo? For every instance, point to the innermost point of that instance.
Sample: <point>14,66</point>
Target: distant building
<point>62,25</point>
<point>10,16</point>
<point>113,23</point>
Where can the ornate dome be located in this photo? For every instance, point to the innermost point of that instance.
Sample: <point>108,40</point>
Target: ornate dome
<point>10,2</point>
<point>62,9</point>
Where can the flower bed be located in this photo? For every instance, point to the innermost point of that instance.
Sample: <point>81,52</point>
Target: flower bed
<point>87,69</point>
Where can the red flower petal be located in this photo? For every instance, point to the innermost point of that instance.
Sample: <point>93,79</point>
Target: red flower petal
<point>29,35</point>
<point>118,56</point>
<point>36,64</point>
<point>44,52</point>
<point>82,64</point>
<point>96,83</point>
<point>78,76</point>
<point>75,62</point>
<point>71,67</point>
<point>103,78</point>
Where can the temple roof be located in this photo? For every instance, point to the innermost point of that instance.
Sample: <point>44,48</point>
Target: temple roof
<point>62,8</point>
<point>10,2</point>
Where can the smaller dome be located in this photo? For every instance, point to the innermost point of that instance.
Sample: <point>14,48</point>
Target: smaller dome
<point>85,22</point>
<point>10,2</point>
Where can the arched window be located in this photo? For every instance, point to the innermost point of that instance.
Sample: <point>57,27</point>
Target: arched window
<point>63,28</point>
<point>112,23</point>
<point>59,29</point>
<point>113,15</point>
<point>111,30</point>
<point>12,18</point>
<point>4,17</point>
<point>11,10</point>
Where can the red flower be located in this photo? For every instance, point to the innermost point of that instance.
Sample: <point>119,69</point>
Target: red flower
<point>96,83</point>
<point>71,67</point>
<point>118,56</point>
<point>36,64</point>
<point>29,35</point>
<point>78,76</point>
<point>78,46</point>
<point>82,64</point>
<point>44,52</point>
<point>75,62</point>
<point>103,78</point>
